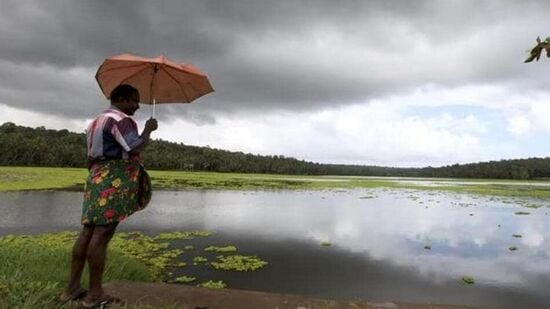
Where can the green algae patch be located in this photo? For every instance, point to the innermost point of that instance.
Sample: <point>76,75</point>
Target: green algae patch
<point>188,248</point>
<point>326,244</point>
<point>238,263</point>
<point>184,279</point>
<point>182,235</point>
<point>199,260</point>
<point>217,249</point>
<point>156,255</point>
<point>468,280</point>
<point>213,284</point>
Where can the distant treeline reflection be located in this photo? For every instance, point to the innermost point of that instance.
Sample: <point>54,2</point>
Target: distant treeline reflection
<point>24,146</point>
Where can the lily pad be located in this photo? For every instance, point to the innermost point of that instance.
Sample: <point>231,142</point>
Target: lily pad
<point>326,244</point>
<point>199,259</point>
<point>182,235</point>
<point>238,263</point>
<point>212,284</point>
<point>226,249</point>
<point>184,279</point>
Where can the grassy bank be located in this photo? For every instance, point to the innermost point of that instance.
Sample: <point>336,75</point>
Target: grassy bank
<point>35,269</point>
<point>42,178</point>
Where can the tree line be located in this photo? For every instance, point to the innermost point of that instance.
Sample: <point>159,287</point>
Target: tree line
<point>25,146</point>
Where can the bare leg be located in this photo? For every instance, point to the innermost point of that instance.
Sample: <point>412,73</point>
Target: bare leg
<point>97,250</point>
<point>79,255</point>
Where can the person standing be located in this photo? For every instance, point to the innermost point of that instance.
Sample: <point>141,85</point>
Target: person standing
<point>116,187</point>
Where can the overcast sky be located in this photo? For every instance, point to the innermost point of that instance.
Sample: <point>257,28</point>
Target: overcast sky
<point>393,83</point>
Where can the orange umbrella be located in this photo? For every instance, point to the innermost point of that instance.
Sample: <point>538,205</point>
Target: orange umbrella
<point>158,79</point>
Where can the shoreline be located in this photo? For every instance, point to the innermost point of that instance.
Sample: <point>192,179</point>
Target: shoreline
<point>71,179</point>
<point>159,295</point>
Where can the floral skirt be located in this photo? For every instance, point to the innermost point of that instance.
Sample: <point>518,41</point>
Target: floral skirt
<point>114,190</point>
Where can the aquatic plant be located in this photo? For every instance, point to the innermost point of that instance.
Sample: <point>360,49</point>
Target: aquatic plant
<point>517,235</point>
<point>188,248</point>
<point>212,284</point>
<point>147,250</point>
<point>468,280</point>
<point>182,235</point>
<point>226,249</point>
<point>199,259</point>
<point>326,243</point>
<point>513,248</point>
<point>238,263</point>
<point>184,279</point>
<point>521,213</point>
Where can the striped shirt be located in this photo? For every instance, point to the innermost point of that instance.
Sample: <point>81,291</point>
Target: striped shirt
<point>112,135</point>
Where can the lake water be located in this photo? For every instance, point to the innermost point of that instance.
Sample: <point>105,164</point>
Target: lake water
<point>378,240</point>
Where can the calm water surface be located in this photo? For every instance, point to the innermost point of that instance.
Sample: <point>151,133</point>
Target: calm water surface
<point>378,239</point>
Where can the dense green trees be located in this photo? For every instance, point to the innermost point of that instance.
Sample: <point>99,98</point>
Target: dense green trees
<point>25,146</point>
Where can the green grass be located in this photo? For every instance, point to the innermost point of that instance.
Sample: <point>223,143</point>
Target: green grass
<point>42,178</point>
<point>35,269</point>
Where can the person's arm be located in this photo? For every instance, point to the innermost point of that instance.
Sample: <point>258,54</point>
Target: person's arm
<point>126,134</point>
<point>150,126</point>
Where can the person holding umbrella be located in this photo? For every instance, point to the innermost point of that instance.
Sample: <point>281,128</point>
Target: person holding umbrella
<point>117,186</point>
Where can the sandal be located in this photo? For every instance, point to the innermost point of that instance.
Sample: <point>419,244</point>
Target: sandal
<point>75,295</point>
<point>101,303</point>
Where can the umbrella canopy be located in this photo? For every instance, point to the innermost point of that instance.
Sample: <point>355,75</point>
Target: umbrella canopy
<point>158,79</point>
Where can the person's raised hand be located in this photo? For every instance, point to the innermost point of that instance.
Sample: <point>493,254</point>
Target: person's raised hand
<point>151,124</point>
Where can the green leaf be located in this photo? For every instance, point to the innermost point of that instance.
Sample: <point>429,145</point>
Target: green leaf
<point>468,280</point>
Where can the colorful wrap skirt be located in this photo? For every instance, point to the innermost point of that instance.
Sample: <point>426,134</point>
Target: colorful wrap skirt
<point>114,190</point>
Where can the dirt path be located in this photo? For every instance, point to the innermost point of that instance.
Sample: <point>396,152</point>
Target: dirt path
<point>158,295</point>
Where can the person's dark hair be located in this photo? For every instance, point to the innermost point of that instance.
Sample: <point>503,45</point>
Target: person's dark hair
<point>122,92</point>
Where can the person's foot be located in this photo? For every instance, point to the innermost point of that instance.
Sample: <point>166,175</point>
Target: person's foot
<point>71,295</point>
<point>99,302</point>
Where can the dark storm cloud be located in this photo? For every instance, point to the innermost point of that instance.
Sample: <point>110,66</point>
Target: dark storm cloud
<point>263,55</point>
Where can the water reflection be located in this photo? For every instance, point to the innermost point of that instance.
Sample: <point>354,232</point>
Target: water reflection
<point>378,239</point>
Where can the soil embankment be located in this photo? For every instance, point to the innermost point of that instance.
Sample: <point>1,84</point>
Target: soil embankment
<point>188,297</point>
